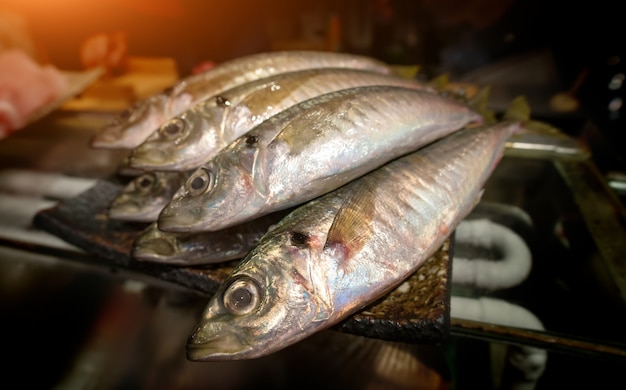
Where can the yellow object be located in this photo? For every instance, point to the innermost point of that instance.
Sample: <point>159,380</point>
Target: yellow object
<point>406,71</point>
<point>144,77</point>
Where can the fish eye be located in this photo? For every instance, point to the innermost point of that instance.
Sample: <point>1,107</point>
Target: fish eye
<point>145,182</point>
<point>252,140</point>
<point>299,239</point>
<point>222,101</point>
<point>173,128</point>
<point>199,182</point>
<point>242,296</point>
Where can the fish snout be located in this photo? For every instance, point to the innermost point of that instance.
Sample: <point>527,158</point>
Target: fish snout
<point>210,341</point>
<point>155,248</point>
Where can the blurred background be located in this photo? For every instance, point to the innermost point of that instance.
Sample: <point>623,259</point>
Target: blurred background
<point>76,325</point>
<point>536,47</point>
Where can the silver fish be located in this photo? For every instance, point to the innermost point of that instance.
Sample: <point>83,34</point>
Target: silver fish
<point>283,163</point>
<point>144,197</point>
<point>129,129</point>
<point>202,248</point>
<point>194,137</point>
<point>340,252</point>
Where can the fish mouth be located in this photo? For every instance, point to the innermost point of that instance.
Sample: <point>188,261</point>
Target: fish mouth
<point>177,219</point>
<point>109,137</point>
<point>155,249</point>
<point>124,209</point>
<point>148,158</point>
<point>124,133</point>
<point>223,347</point>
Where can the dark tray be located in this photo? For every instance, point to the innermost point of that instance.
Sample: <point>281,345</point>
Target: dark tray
<point>420,314</point>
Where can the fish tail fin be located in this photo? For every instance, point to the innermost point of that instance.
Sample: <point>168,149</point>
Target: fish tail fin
<point>440,82</point>
<point>480,102</point>
<point>408,72</point>
<point>518,110</point>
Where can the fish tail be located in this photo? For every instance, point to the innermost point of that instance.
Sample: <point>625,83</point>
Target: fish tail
<point>440,82</point>
<point>480,102</point>
<point>518,110</point>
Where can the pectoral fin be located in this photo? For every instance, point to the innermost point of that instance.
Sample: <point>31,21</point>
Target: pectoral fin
<point>351,229</point>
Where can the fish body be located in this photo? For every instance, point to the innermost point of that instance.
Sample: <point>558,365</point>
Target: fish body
<point>202,248</point>
<point>129,129</point>
<point>308,150</point>
<point>144,197</point>
<point>338,253</point>
<point>190,139</point>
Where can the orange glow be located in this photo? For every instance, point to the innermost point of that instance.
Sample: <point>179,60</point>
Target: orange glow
<point>153,7</point>
<point>171,8</point>
<point>190,32</point>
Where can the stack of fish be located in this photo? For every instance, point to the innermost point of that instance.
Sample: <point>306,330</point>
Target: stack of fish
<point>331,177</point>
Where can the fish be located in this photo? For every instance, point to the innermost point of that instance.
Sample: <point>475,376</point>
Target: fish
<point>338,253</point>
<point>202,248</point>
<point>308,150</point>
<point>143,198</point>
<point>188,140</point>
<point>133,125</point>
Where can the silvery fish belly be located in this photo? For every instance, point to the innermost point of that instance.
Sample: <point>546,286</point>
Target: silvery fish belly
<point>144,197</point>
<point>194,137</point>
<point>129,129</point>
<point>202,248</point>
<point>340,252</point>
<point>331,140</point>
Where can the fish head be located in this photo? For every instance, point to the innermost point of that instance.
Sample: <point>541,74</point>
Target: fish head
<point>155,245</point>
<point>132,126</point>
<point>268,302</point>
<point>221,193</point>
<point>183,142</point>
<point>142,199</point>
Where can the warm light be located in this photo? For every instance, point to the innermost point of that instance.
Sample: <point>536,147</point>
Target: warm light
<point>171,8</point>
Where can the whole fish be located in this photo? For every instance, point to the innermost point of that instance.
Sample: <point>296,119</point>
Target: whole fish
<point>129,129</point>
<point>308,150</point>
<point>192,138</point>
<point>340,252</point>
<point>202,248</point>
<point>144,197</point>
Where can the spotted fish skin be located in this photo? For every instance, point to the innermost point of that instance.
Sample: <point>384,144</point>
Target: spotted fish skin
<point>310,149</point>
<point>129,129</point>
<point>188,140</point>
<point>340,252</point>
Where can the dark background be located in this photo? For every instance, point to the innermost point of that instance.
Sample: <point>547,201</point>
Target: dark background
<point>454,36</point>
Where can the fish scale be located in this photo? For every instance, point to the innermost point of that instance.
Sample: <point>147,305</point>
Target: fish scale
<point>212,124</point>
<point>310,149</point>
<point>291,288</point>
<point>133,126</point>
